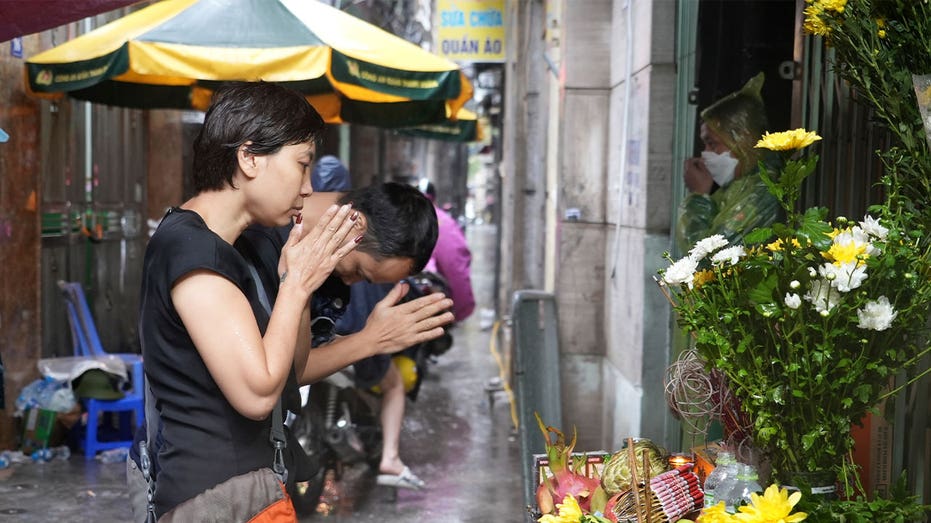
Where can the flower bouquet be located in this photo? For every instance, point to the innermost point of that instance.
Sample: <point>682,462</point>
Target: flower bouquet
<point>882,48</point>
<point>807,320</point>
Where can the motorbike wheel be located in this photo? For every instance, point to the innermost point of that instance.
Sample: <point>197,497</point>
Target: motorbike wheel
<point>309,431</point>
<point>305,495</point>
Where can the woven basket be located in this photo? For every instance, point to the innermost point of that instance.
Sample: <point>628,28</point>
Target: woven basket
<point>633,506</point>
<point>666,498</point>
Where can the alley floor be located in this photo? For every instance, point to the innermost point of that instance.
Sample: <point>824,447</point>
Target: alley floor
<point>453,437</point>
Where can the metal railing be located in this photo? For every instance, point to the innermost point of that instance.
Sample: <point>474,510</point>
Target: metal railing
<point>535,376</point>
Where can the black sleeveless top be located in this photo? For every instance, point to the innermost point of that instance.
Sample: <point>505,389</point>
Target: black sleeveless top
<point>206,441</point>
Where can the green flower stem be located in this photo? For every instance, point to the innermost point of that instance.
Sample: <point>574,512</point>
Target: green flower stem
<point>912,380</point>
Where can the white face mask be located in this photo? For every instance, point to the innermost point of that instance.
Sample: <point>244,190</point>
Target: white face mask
<point>720,166</point>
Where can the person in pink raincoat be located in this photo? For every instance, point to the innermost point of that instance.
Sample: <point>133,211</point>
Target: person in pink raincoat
<point>451,258</point>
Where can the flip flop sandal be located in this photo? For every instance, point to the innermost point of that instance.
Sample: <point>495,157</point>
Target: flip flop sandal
<point>406,479</point>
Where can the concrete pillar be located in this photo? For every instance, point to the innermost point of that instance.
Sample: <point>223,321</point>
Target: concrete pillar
<point>582,229</point>
<point>639,170</point>
<point>523,161</point>
<point>607,136</point>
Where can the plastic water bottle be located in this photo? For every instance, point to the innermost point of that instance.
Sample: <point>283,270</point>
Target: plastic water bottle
<point>113,455</point>
<point>42,455</point>
<point>5,460</point>
<point>751,485</point>
<point>726,466</point>
<point>16,456</point>
<point>61,452</point>
<point>737,494</point>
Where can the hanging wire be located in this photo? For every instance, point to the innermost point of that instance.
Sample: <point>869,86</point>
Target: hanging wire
<point>691,392</point>
<point>502,372</point>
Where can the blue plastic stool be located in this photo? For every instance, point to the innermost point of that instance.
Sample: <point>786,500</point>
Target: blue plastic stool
<point>133,402</point>
<point>87,343</point>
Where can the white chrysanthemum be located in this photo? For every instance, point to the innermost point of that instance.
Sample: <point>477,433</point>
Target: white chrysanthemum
<point>844,277</point>
<point>792,300</point>
<point>682,271</point>
<point>872,227</point>
<point>876,315</point>
<point>856,238</point>
<point>812,272</point>
<point>730,254</point>
<point>707,246</point>
<point>794,284</point>
<point>853,234</point>
<point>823,296</point>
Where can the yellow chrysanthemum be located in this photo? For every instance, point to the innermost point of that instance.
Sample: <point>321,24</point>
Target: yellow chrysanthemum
<point>881,33</point>
<point>834,5</point>
<point>715,514</point>
<point>814,23</point>
<point>787,140</point>
<point>702,277</point>
<point>776,246</point>
<point>846,252</point>
<point>880,23</point>
<point>774,506</point>
<point>568,512</point>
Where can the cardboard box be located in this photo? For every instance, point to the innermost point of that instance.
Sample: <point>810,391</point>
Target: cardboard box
<point>38,425</point>
<point>706,457</point>
<point>872,452</point>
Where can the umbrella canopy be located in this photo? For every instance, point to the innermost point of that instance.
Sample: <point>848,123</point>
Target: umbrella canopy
<point>465,128</point>
<point>22,18</point>
<point>172,54</point>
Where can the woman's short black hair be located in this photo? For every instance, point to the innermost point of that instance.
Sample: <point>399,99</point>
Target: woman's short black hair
<point>401,222</point>
<point>266,114</point>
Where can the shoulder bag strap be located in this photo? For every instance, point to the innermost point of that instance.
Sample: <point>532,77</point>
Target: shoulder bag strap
<point>276,436</point>
<point>145,460</point>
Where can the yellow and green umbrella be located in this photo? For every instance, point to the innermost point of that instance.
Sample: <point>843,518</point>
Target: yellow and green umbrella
<point>466,127</point>
<point>174,53</point>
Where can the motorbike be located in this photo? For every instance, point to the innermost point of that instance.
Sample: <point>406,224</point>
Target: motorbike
<point>338,424</point>
<point>337,427</point>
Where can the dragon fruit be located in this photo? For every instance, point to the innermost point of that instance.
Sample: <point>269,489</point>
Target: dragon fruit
<point>566,478</point>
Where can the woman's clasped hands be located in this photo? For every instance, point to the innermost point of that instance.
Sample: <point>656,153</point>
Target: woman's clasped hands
<point>308,259</point>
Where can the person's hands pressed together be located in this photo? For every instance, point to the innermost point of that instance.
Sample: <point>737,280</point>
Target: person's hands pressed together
<point>308,259</point>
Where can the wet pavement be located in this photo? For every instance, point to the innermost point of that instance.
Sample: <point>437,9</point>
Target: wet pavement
<point>457,441</point>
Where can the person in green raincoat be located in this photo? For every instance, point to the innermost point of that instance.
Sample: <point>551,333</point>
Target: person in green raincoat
<point>727,195</point>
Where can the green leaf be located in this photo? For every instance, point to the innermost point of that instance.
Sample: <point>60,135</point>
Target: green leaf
<point>768,310</point>
<point>776,395</point>
<point>781,230</point>
<point>766,433</point>
<point>774,187</point>
<point>763,292</point>
<point>814,229</point>
<point>758,235</point>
